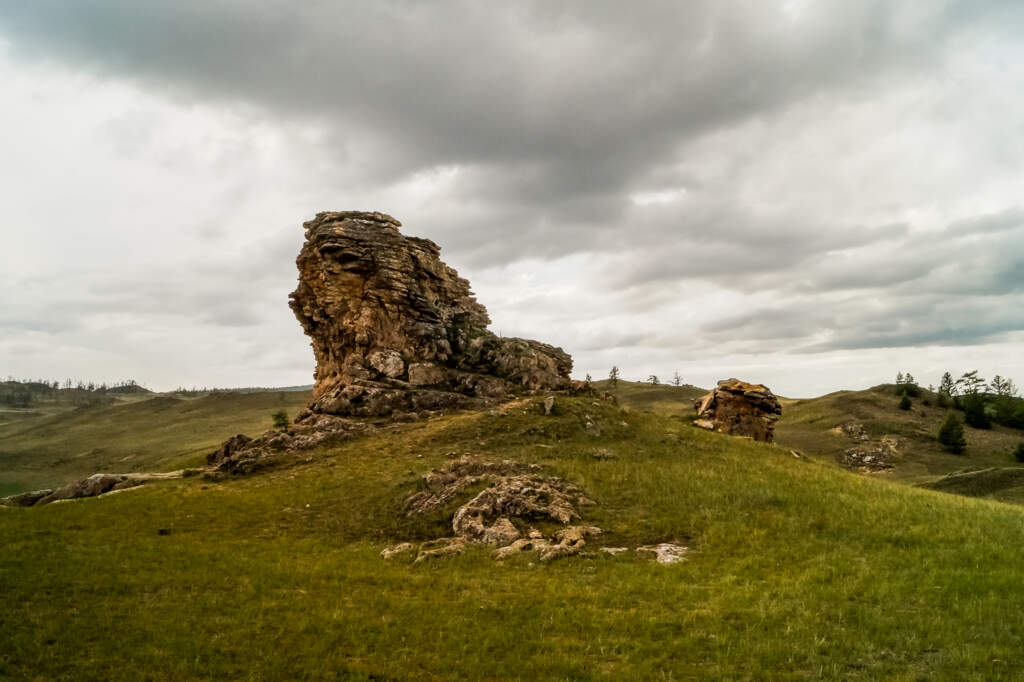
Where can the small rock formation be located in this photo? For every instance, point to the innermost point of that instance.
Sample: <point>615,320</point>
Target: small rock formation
<point>872,457</point>
<point>93,486</point>
<point>243,455</point>
<point>517,492</point>
<point>739,409</point>
<point>394,329</point>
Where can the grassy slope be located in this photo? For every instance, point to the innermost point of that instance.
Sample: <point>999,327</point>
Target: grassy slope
<point>798,570</point>
<point>661,399</point>
<point>807,425</point>
<point>154,434</point>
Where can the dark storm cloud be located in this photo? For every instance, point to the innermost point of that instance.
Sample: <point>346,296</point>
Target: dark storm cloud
<point>557,110</point>
<point>723,145</point>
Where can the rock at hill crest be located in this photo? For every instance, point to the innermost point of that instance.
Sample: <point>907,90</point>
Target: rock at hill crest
<point>739,409</point>
<point>394,329</point>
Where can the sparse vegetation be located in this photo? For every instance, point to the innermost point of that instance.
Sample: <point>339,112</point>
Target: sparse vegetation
<point>280,419</point>
<point>904,401</point>
<point>1018,452</point>
<point>907,384</point>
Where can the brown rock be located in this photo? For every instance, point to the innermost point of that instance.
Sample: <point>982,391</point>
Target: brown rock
<point>93,486</point>
<point>740,409</point>
<point>228,448</point>
<point>387,317</point>
<point>425,374</point>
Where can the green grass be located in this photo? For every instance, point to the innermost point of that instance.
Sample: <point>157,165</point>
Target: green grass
<point>808,425</point>
<point>160,433</point>
<point>798,570</point>
<point>662,399</point>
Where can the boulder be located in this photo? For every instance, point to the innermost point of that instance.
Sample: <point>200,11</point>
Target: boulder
<point>739,409</point>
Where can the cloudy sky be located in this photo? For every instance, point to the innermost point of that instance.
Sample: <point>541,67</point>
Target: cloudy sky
<point>809,194</point>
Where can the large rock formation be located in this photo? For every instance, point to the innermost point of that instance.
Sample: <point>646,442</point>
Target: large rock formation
<point>394,329</point>
<point>740,409</point>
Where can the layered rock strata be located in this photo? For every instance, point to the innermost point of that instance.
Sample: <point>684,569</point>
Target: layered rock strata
<point>395,330</point>
<point>739,409</point>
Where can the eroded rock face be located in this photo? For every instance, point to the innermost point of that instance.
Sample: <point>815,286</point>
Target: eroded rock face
<point>394,329</point>
<point>740,409</point>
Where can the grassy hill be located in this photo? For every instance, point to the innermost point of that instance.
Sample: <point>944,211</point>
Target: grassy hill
<point>811,426</point>
<point>814,426</point>
<point>659,399</point>
<point>797,569</point>
<point>48,447</point>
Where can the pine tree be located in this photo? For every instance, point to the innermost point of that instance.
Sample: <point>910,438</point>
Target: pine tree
<point>905,401</point>
<point>280,420</point>
<point>676,379</point>
<point>951,435</point>
<point>613,377</point>
<point>653,379</point>
<point>946,388</point>
<point>899,378</point>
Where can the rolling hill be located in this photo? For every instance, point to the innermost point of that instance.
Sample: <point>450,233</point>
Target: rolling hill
<point>796,568</point>
<point>53,446</point>
<point>827,428</point>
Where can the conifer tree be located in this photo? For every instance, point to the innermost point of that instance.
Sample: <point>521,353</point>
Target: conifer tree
<point>951,435</point>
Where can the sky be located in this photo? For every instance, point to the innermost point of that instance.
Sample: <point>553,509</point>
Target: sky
<point>812,195</point>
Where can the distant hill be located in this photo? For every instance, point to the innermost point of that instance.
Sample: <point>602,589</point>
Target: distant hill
<point>822,427</point>
<point>158,433</point>
<point>846,427</point>
<point>654,398</point>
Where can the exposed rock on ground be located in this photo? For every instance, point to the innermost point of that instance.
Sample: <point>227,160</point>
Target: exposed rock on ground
<point>499,515</point>
<point>739,409</point>
<point>877,456</point>
<point>95,485</point>
<point>868,455</point>
<point>665,553</point>
<point>394,329</point>
<point>242,455</point>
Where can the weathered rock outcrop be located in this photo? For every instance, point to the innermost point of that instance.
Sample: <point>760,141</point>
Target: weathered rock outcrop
<point>740,409</point>
<point>394,329</point>
<point>93,486</point>
<point>517,495</point>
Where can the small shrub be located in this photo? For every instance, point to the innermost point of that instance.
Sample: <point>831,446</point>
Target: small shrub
<point>905,401</point>
<point>280,420</point>
<point>951,435</point>
<point>1018,454</point>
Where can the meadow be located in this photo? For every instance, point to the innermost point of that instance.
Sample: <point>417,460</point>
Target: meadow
<point>797,569</point>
